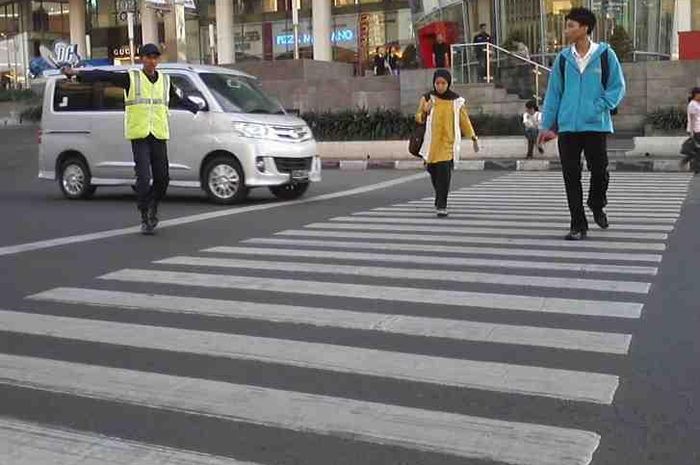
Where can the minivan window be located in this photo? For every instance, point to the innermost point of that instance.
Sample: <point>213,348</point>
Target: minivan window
<point>73,96</point>
<point>186,87</point>
<point>109,97</point>
<point>238,94</point>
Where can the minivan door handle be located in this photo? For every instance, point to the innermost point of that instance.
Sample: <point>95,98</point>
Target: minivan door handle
<point>67,132</point>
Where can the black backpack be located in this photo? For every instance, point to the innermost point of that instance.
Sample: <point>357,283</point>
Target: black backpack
<point>604,75</point>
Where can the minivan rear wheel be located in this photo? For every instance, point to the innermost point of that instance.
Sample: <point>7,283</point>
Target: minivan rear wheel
<point>223,180</point>
<point>290,191</point>
<point>74,179</point>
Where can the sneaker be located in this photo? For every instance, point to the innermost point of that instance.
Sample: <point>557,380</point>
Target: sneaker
<point>540,149</point>
<point>153,216</point>
<point>576,235</point>
<point>147,228</point>
<point>442,213</point>
<point>601,219</point>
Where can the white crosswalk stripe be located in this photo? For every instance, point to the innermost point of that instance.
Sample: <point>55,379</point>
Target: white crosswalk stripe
<point>24,443</point>
<point>495,275</point>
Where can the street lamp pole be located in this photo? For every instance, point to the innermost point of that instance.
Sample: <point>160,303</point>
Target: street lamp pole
<point>130,26</point>
<point>295,25</point>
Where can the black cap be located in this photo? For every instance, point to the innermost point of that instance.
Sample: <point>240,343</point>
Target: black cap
<point>149,49</point>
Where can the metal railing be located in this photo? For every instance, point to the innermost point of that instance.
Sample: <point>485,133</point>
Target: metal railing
<point>488,63</point>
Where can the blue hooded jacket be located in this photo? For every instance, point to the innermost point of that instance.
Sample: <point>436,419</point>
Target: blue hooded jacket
<point>583,105</point>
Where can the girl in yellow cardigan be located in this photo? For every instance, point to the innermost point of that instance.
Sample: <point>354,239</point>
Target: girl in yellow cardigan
<point>446,119</point>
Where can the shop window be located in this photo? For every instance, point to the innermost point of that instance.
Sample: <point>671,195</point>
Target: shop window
<point>269,6</point>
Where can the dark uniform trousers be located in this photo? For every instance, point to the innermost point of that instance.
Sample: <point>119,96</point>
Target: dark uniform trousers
<point>594,148</point>
<point>151,161</point>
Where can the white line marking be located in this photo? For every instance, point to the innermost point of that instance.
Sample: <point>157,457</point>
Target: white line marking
<point>553,202</point>
<point>559,211</point>
<point>15,249</point>
<point>439,432</point>
<point>489,376</point>
<point>600,285</point>
<point>429,212</point>
<point>388,293</point>
<point>450,261</point>
<point>569,339</point>
<point>501,241</point>
<point>659,199</point>
<point>431,249</point>
<point>26,443</point>
<point>438,228</point>
<point>399,219</point>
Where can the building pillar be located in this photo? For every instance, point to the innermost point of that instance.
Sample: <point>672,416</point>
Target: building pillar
<point>175,33</point>
<point>76,20</point>
<point>321,24</point>
<point>681,22</point>
<point>225,46</point>
<point>149,24</point>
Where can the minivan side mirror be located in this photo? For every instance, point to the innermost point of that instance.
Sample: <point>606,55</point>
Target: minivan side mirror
<point>199,101</point>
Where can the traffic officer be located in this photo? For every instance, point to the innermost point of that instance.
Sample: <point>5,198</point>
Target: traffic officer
<point>147,96</point>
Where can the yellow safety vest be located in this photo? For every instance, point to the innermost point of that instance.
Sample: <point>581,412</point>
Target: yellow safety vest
<point>146,105</point>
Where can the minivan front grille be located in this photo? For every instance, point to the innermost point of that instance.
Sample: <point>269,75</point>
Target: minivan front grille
<point>287,165</point>
<point>292,134</point>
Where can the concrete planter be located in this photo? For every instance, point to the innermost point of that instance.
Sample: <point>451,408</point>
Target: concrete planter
<point>658,146</point>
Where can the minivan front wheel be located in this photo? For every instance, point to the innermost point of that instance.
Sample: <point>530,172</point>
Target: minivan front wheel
<point>74,179</point>
<point>290,191</point>
<point>223,180</point>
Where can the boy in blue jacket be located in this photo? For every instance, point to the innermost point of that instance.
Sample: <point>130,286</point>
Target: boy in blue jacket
<point>586,85</point>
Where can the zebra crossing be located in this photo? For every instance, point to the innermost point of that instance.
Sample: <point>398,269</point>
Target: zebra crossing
<point>496,274</point>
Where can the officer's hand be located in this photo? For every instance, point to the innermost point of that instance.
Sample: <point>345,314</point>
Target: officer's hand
<point>68,71</point>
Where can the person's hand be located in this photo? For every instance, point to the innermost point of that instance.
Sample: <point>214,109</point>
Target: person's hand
<point>68,71</point>
<point>546,136</point>
<point>475,145</point>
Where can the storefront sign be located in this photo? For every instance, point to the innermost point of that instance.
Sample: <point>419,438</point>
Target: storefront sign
<point>65,54</point>
<point>338,36</point>
<point>121,52</point>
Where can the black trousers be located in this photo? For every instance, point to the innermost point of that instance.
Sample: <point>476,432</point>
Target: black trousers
<point>441,176</point>
<point>531,135</point>
<point>594,148</point>
<point>151,159</point>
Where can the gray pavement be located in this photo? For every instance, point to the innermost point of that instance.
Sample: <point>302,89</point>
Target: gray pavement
<point>351,330</point>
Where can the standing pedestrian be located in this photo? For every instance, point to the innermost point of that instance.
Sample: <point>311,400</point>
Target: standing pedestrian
<point>393,60</point>
<point>147,94</point>
<point>482,37</point>
<point>445,115</point>
<point>691,148</point>
<point>585,87</point>
<point>381,64</point>
<point>532,121</point>
<point>441,52</point>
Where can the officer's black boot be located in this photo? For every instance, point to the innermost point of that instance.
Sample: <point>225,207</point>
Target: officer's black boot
<point>146,225</point>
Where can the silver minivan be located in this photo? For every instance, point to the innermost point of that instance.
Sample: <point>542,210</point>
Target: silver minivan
<point>242,139</point>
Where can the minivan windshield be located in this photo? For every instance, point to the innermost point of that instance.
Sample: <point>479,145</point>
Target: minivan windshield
<point>239,94</point>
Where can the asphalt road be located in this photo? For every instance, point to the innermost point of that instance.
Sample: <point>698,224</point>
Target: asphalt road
<point>366,333</point>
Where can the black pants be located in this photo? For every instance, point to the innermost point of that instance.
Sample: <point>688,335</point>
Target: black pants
<point>441,175</point>
<point>151,158</point>
<point>594,147</point>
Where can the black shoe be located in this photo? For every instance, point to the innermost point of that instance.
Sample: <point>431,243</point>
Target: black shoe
<point>528,156</point>
<point>147,228</point>
<point>153,216</point>
<point>576,235</point>
<point>540,149</point>
<point>601,219</point>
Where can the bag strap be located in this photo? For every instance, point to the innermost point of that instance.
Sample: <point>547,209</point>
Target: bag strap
<point>604,68</point>
<point>562,71</point>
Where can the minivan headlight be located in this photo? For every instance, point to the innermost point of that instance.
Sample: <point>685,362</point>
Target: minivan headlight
<point>253,130</point>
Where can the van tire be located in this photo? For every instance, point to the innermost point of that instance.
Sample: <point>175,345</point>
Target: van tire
<point>224,181</point>
<point>290,191</point>
<point>74,179</point>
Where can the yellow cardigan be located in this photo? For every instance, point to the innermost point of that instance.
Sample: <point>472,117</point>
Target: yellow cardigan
<point>443,130</point>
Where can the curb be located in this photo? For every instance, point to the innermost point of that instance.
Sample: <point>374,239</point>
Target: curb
<point>642,166</point>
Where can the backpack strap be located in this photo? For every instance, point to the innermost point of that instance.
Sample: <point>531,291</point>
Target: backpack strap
<point>604,68</point>
<point>562,70</point>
